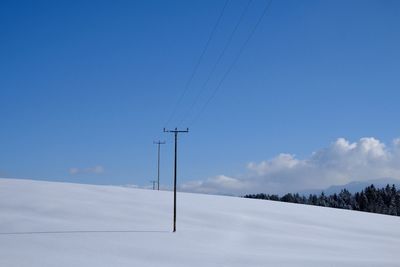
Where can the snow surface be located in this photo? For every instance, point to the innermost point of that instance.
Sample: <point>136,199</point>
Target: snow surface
<point>61,224</point>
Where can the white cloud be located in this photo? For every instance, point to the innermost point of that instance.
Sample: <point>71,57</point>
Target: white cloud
<point>340,163</point>
<point>98,169</point>
<point>216,185</point>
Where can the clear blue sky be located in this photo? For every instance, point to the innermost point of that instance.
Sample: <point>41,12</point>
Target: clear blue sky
<point>91,83</point>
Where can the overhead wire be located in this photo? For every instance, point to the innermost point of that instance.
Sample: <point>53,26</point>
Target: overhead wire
<point>264,12</point>
<point>192,75</point>
<point>217,62</point>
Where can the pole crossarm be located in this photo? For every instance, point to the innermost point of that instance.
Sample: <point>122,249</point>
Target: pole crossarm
<point>159,142</point>
<point>176,131</point>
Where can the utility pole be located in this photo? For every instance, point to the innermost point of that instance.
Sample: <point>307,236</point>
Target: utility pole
<point>176,131</point>
<point>158,162</point>
<point>154,184</point>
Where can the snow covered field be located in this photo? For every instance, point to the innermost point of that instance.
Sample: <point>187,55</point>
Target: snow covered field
<point>60,224</point>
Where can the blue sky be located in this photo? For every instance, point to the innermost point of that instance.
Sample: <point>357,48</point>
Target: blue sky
<point>88,85</point>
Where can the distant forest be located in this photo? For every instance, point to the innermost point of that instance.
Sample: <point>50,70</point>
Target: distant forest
<point>384,201</point>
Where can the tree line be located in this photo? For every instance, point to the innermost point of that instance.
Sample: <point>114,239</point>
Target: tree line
<point>384,200</point>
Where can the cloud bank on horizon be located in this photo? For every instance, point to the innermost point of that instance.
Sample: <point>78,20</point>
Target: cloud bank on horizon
<point>98,169</point>
<point>339,163</point>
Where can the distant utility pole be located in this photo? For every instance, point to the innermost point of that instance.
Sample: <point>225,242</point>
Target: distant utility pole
<point>154,184</point>
<point>158,162</point>
<point>176,131</point>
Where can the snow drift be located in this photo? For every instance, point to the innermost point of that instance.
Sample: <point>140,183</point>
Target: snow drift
<point>60,224</point>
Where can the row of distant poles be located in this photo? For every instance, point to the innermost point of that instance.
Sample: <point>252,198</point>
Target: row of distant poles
<point>187,87</point>
<point>159,143</point>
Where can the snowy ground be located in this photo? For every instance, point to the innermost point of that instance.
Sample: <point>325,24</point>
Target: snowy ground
<point>60,224</point>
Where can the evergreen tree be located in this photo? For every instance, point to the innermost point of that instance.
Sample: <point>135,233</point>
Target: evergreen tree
<point>385,200</point>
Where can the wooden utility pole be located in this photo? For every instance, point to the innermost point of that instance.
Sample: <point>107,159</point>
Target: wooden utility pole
<point>158,143</point>
<point>154,184</point>
<point>176,131</point>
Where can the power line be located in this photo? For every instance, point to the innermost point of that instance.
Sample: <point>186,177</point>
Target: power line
<point>266,8</point>
<point>188,83</point>
<point>221,55</point>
